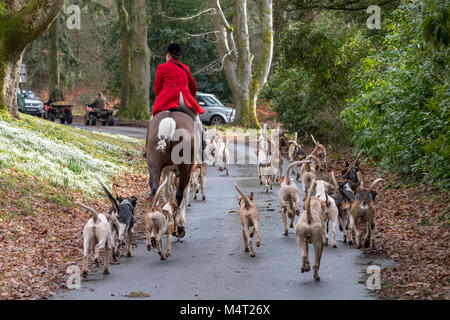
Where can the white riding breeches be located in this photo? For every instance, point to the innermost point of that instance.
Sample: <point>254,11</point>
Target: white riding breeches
<point>198,129</point>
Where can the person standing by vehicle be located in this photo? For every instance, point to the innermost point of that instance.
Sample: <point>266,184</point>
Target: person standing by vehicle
<point>56,95</point>
<point>100,103</point>
<point>176,89</point>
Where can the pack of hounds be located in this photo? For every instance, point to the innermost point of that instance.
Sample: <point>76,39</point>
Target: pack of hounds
<point>352,208</point>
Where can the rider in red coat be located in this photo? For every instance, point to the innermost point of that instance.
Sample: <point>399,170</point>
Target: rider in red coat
<point>175,84</point>
<point>175,88</point>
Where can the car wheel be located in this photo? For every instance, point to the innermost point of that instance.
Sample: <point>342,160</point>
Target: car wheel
<point>93,118</point>
<point>62,120</point>
<point>69,117</point>
<point>111,120</point>
<point>216,120</point>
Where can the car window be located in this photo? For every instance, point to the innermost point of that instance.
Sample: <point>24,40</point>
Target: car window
<point>209,100</point>
<point>201,99</point>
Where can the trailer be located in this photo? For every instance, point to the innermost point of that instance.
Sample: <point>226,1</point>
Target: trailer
<point>61,110</point>
<point>105,116</point>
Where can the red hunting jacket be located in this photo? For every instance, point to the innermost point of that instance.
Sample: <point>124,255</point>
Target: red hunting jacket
<point>170,81</point>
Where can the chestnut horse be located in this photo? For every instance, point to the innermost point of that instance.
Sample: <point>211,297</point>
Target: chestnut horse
<point>169,132</point>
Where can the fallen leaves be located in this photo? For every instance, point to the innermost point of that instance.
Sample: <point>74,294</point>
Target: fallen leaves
<point>36,249</point>
<point>412,228</point>
<point>138,294</point>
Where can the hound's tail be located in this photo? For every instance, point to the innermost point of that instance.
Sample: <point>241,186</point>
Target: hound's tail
<point>156,196</point>
<point>92,211</point>
<point>292,141</point>
<point>166,131</point>
<point>288,170</point>
<point>311,156</point>
<point>355,163</point>
<point>334,179</point>
<point>246,200</point>
<point>370,189</point>
<point>308,202</point>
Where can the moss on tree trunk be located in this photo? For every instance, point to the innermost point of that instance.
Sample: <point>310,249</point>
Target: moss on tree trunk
<point>53,66</point>
<point>123,8</point>
<point>238,59</point>
<point>20,24</point>
<point>139,105</point>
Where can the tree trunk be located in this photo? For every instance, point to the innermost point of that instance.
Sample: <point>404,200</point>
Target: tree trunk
<point>139,104</point>
<point>9,82</point>
<point>53,67</point>
<point>227,49</point>
<point>244,115</point>
<point>262,69</point>
<point>238,59</point>
<point>279,22</point>
<point>20,24</point>
<point>123,7</point>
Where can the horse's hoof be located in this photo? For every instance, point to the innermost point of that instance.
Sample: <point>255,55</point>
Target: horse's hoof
<point>85,273</point>
<point>334,245</point>
<point>106,271</point>
<point>203,198</point>
<point>97,261</point>
<point>246,250</point>
<point>286,233</point>
<point>129,254</point>
<point>149,247</point>
<point>258,243</point>
<point>252,255</point>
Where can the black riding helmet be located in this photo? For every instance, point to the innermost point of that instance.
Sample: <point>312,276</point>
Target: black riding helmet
<point>175,50</point>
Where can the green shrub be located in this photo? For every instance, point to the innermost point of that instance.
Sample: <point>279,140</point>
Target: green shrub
<point>310,83</point>
<point>399,107</point>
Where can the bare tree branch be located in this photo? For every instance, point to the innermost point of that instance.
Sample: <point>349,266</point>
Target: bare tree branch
<point>210,66</point>
<point>189,18</point>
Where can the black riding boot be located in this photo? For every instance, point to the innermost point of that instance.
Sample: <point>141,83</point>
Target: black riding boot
<point>203,146</point>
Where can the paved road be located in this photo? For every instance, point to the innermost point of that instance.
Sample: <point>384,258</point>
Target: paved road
<point>135,132</point>
<point>210,263</point>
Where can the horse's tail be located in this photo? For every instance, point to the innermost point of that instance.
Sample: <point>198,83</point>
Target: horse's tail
<point>166,131</point>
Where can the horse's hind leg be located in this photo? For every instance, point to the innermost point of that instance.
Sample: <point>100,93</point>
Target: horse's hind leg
<point>154,182</point>
<point>182,198</point>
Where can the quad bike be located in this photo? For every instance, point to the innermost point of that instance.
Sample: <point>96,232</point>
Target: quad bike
<point>106,116</point>
<point>61,110</point>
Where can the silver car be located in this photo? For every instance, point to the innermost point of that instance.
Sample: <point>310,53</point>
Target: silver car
<point>29,103</point>
<point>215,112</point>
